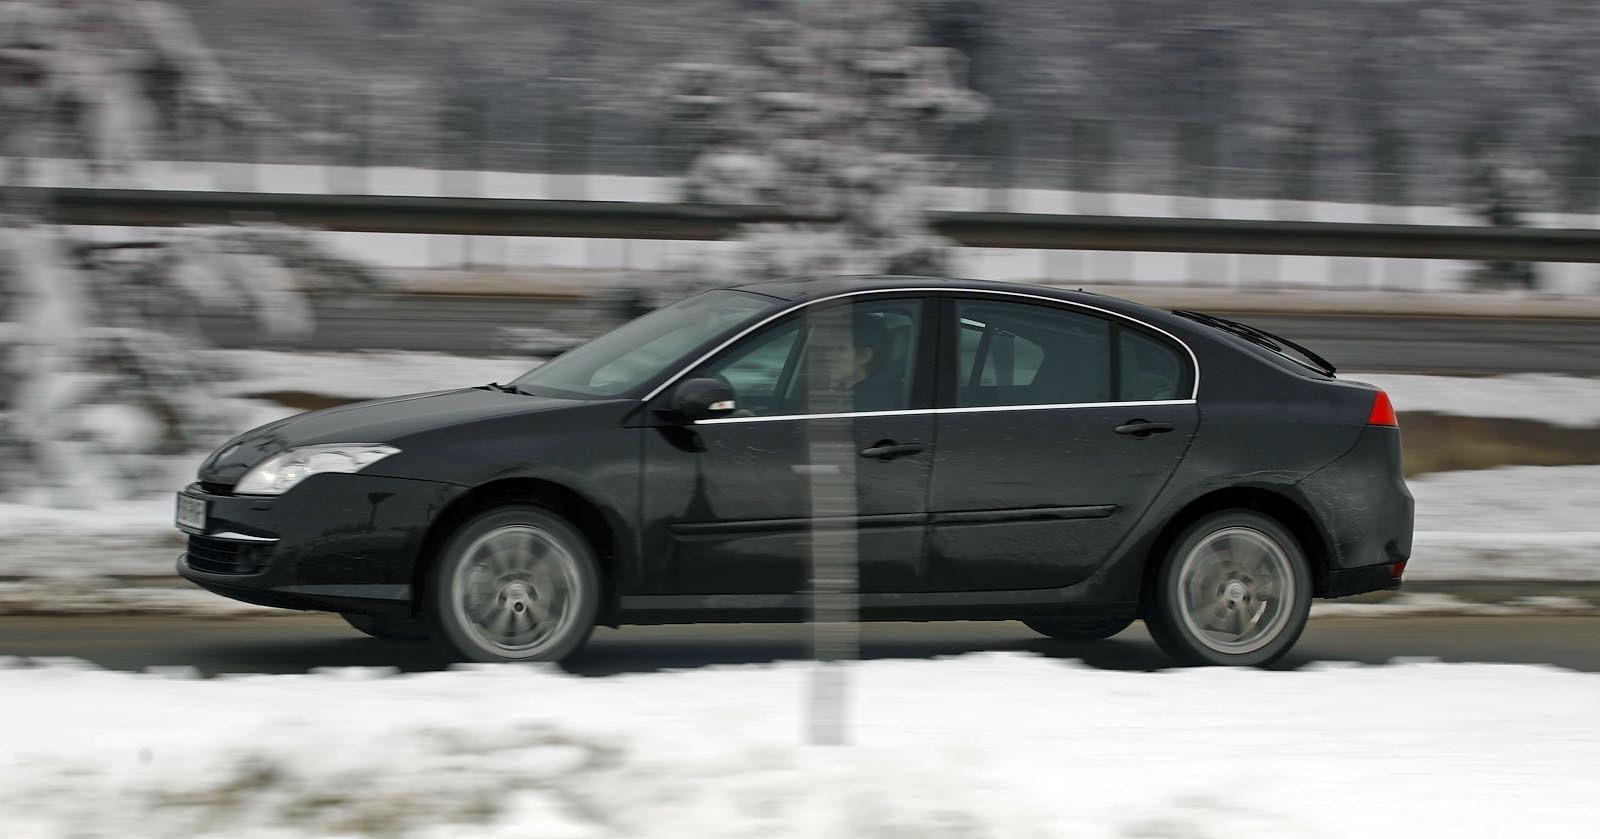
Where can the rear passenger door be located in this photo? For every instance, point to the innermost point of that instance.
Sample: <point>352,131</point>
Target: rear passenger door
<point>1058,427</point>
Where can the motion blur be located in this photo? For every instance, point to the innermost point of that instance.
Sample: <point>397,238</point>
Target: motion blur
<point>219,214</point>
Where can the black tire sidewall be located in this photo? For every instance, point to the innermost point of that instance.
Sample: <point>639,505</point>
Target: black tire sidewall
<point>456,640</point>
<point>1166,622</point>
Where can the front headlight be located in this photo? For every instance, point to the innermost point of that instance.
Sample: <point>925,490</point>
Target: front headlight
<point>279,473</point>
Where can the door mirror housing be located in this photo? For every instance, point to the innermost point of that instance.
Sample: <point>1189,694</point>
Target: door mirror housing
<point>698,399</point>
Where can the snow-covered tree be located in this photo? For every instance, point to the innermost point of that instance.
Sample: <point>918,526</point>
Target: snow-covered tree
<point>1501,191</point>
<point>832,114</point>
<point>99,343</point>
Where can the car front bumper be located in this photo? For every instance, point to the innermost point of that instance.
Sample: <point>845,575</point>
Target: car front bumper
<point>336,542</point>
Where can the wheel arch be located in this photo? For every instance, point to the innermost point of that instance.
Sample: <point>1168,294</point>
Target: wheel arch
<point>1273,503</point>
<point>598,525</point>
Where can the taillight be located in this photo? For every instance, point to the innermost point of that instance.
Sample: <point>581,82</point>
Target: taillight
<point>1382,412</point>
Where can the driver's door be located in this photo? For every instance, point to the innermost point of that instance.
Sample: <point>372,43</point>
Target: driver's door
<point>727,502</point>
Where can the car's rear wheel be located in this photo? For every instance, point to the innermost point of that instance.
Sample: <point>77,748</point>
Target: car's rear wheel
<point>1079,629</point>
<point>516,583</point>
<point>1235,589</point>
<point>388,628</point>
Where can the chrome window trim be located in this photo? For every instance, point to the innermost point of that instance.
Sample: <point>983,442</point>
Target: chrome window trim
<point>1194,391</point>
<point>970,410</point>
<point>236,537</point>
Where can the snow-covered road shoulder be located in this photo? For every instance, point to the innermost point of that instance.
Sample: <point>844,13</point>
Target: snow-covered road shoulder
<point>989,745</point>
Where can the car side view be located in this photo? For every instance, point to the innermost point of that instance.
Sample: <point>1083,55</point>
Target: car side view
<point>1066,459</point>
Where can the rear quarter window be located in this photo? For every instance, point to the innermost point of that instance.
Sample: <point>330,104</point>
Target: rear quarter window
<point>1149,370</point>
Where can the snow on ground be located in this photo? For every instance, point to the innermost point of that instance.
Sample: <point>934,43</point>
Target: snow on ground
<point>1528,396</point>
<point>126,538</point>
<point>1510,523</point>
<point>89,595</point>
<point>994,745</point>
<point>1405,605</point>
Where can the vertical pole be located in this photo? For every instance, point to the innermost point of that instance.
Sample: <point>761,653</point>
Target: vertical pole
<point>835,606</point>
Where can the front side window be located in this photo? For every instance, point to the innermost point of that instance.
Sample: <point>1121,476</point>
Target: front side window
<point>634,353</point>
<point>851,358</point>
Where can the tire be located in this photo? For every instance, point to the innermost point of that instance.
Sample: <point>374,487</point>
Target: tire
<point>1235,589</point>
<point>388,628</point>
<point>1079,629</point>
<point>514,583</point>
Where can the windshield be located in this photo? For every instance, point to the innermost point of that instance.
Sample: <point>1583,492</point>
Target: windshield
<point>637,351</point>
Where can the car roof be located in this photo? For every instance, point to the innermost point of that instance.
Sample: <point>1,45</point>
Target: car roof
<point>797,289</point>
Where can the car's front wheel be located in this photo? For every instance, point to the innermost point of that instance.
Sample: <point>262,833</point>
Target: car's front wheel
<point>1079,629</point>
<point>1235,589</point>
<point>516,583</point>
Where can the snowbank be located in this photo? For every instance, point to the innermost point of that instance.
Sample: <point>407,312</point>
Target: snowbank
<point>125,538</point>
<point>990,745</point>
<point>1510,523</point>
<point>1528,396</point>
<point>363,375</point>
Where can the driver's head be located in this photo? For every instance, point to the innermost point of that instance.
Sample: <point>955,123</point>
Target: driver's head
<point>869,339</point>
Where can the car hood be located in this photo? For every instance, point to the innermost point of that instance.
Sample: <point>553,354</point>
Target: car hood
<point>379,421</point>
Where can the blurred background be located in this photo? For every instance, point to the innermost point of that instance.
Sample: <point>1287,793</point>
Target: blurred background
<point>214,213</point>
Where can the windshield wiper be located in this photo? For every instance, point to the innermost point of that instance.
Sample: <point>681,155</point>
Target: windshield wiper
<point>1260,337</point>
<point>504,388</point>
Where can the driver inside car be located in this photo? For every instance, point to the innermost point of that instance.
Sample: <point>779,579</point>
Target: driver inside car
<point>862,369</point>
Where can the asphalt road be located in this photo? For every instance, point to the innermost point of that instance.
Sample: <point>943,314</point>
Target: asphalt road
<point>472,325</point>
<point>298,643</point>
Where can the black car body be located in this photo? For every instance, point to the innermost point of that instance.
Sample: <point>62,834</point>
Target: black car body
<point>1054,448</point>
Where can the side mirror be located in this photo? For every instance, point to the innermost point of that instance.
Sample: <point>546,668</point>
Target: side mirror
<point>698,399</point>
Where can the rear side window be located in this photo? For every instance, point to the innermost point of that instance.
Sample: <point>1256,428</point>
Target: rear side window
<point>1149,369</point>
<point>1010,353</point>
<point>1018,354</point>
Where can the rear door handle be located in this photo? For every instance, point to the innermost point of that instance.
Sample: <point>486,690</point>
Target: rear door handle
<point>889,449</point>
<point>1143,428</point>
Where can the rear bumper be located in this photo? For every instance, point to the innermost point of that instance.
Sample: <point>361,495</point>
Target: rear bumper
<point>343,543</point>
<point>1367,513</point>
<point>1361,580</point>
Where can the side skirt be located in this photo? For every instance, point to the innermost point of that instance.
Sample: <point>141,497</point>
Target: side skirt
<point>922,606</point>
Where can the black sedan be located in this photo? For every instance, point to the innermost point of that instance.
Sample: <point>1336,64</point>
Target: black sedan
<point>1010,452</point>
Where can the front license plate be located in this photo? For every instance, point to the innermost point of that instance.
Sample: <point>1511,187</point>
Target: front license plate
<point>191,513</point>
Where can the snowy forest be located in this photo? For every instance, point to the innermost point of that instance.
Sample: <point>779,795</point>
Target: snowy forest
<point>1382,101</point>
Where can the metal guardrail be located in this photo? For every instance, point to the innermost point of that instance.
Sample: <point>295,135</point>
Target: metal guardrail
<point>628,220</point>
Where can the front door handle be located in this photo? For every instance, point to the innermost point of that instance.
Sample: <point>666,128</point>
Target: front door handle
<point>889,449</point>
<point>1144,428</point>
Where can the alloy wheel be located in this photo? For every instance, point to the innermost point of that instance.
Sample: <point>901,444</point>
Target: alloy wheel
<point>1236,590</point>
<point>515,590</point>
